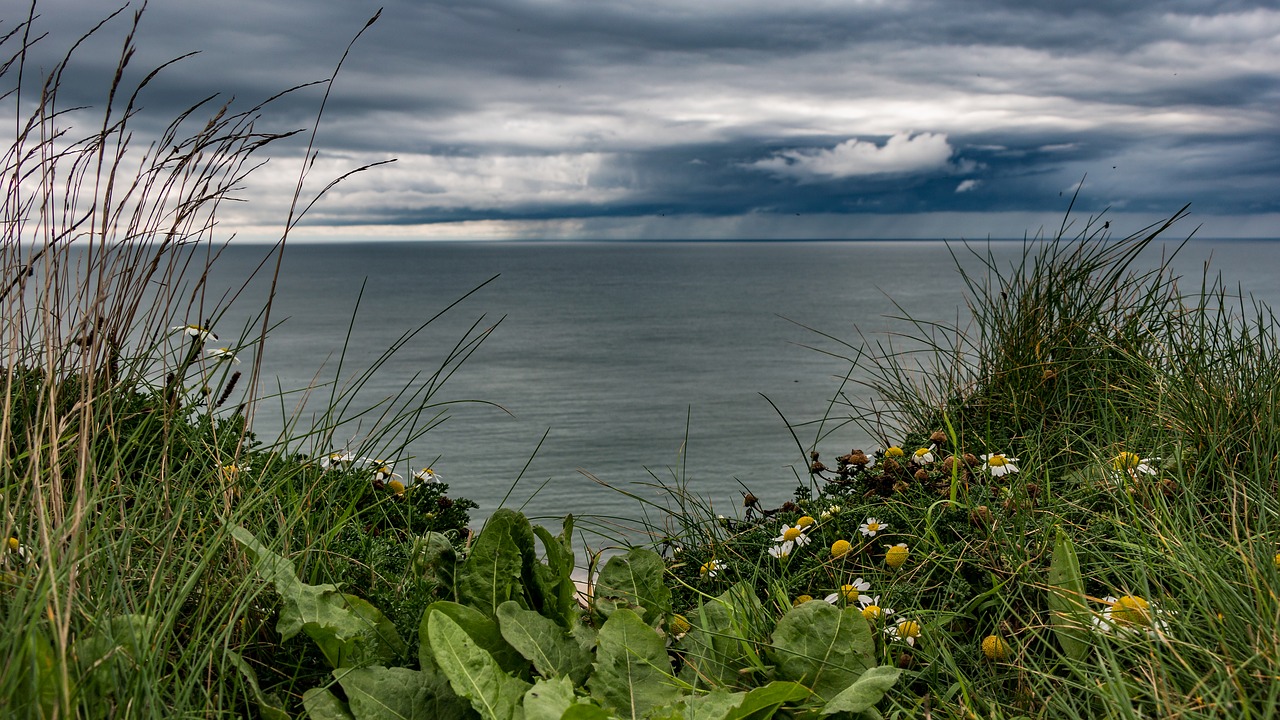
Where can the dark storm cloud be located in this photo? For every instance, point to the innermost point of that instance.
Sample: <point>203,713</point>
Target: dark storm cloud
<point>515,110</point>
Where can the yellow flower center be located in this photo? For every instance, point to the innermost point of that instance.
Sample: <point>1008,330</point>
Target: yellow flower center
<point>1131,609</point>
<point>679,625</point>
<point>805,522</point>
<point>801,600</point>
<point>896,556</point>
<point>994,648</point>
<point>922,452</point>
<point>14,544</point>
<point>873,526</point>
<point>707,567</point>
<point>997,461</point>
<point>790,534</point>
<point>1126,461</point>
<point>894,452</point>
<point>396,486</point>
<point>849,593</point>
<point>840,548</point>
<point>908,628</point>
<point>871,612</point>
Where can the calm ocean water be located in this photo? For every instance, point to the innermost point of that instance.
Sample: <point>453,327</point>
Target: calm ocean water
<point>616,351</point>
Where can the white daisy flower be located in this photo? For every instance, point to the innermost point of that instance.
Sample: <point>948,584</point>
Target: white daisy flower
<point>904,631</point>
<point>195,331</point>
<point>337,459</point>
<point>850,593</point>
<point>830,512</point>
<point>782,552</point>
<point>710,568</point>
<point>18,549</point>
<point>923,456</point>
<point>427,475</point>
<point>872,526</point>
<point>222,354</point>
<point>871,609</point>
<point>1128,615</point>
<point>791,538</point>
<point>1130,462</point>
<point>999,464</point>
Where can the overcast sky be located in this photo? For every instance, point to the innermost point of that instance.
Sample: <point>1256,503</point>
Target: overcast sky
<point>731,118</point>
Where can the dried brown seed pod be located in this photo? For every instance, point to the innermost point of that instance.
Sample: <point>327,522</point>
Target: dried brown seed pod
<point>922,475</point>
<point>938,437</point>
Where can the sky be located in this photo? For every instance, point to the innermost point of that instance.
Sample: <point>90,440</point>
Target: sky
<point>717,119</point>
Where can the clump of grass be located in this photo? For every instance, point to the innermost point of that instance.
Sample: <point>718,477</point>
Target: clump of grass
<point>126,448</point>
<point>1093,424</point>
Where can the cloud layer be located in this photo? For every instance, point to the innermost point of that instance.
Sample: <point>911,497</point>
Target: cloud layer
<point>570,115</point>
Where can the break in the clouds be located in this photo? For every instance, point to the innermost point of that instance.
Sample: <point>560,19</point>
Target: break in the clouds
<point>556,118</point>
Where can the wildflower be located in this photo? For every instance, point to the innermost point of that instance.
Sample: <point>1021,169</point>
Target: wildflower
<point>791,538</point>
<point>426,475</point>
<point>894,452</point>
<point>396,485</point>
<point>840,548</point>
<point>805,522</point>
<point>850,593</point>
<point>195,331</point>
<point>231,471</point>
<point>999,464</point>
<point>872,526</point>
<point>871,609</point>
<point>906,631</point>
<point>895,556</point>
<point>221,354</point>
<point>336,458</point>
<point>679,625</point>
<point>995,648</point>
<point>781,551</point>
<point>1127,614</point>
<point>830,512</point>
<point>710,568</point>
<point>1278,561</point>
<point>18,549</point>
<point>923,456</point>
<point>800,600</point>
<point>1130,462</point>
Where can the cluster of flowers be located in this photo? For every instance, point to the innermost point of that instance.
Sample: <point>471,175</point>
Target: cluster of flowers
<point>383,474</point>
<point>203,334</point>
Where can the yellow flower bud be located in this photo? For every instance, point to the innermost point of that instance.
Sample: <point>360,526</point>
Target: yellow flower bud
<point>840,548</point>
<point>995,648</point>
<point>897,555</point>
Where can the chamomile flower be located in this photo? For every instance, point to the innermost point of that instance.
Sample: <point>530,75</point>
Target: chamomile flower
<point>994,648</point>
<point>1129,614</point>
<point>800,600</point>
<point>791,538</point>
<point>830,512</point>
<point>195,331</point>
<point>336,459</point>
<point>893,451</point>
<point>805,522</point>
<point>850,593</point>
<point>678,626</point>
<point>840,548</point>
<point>999,464</point>
<point>781,551</point>
<point>231,471</point>
<point>905,631</point>
<point>17,548</point>
<point>222,353</point>
<point>896,556</point>
<point>871,609</point>
<point>872,526</point>
<point>426,475</point>
<point>710,569</point>
<point>1132,464</point>
<point>923,456</point>
<point>382,472</point>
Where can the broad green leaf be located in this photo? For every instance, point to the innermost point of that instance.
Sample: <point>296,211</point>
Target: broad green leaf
<point>586,712</point>
<point>637,577</point>
<point>435,561</point>
<point>715,705</point>
<point>492,572</point>
<point>865,692</point>
<point>348,630</point>
<point>481,628</point>
<point>396,693</point>
<point>472,672</point>
<point>713,651</point>
<point>322,704</point>
<point>548,699</point>
<point>544,643</point>
<point>557,591</point>
<point>632,671</point>
<point>822,647</point>
<point>1068,611</point>
<point>269,705</point>
<point>763,702</point>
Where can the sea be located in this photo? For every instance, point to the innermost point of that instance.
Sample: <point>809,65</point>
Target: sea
<point>584,377</point>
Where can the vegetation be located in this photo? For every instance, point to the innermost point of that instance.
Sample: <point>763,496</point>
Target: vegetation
<point>1072,512</point>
